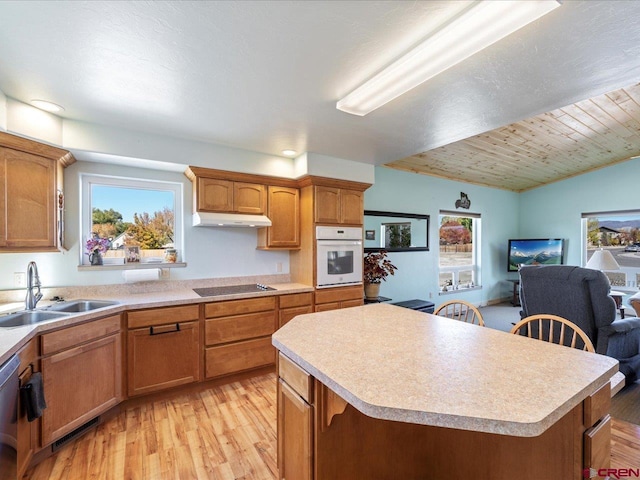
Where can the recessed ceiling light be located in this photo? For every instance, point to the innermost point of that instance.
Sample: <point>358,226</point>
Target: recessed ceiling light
<point>480,25</point>
<point>289,153</point>
<point>48,106</point>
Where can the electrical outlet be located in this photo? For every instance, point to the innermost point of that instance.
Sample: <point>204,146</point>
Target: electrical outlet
<point>278,267</point>
<point>430,295</point>
<point>20,279</point>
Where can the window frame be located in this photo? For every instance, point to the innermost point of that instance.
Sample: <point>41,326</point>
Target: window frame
<point>86,209</point>
<point>475,266</point>
<point>631,273</point>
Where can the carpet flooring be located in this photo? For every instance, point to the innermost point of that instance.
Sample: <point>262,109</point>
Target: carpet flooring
<point>625,405</point>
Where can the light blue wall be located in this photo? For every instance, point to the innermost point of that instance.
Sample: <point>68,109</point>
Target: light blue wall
<point>417,274</point>
<point>555,210</point>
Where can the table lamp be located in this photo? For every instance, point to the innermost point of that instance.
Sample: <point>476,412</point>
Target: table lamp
<point>602,260</point>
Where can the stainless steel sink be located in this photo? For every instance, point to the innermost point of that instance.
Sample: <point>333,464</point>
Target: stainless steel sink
<point>28,317</point>
<point>78,306</point>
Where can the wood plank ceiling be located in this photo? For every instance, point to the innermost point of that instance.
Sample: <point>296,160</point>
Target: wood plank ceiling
<point>553,146</point>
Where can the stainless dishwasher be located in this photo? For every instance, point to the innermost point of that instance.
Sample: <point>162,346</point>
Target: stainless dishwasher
<point>9,418</point>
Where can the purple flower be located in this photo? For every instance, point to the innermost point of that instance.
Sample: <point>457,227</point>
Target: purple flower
<point>97,243</point>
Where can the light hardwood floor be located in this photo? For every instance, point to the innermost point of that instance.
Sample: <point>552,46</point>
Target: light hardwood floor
<point>224,432</point>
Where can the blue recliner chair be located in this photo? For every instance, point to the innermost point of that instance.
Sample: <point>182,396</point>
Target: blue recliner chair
<point>581,295</point>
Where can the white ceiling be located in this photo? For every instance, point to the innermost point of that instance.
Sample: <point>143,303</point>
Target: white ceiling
<point>265,75</point>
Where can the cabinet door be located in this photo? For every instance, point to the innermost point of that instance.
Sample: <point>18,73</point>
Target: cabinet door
<point>287,314</point>
<point>214,195</point>
<point>26,441</point>
<point>352,303</point>
<point>284,212</point>
<point>29,214</point>
<point>327,205</point>
<point>3,196</point>
<point>161,357</point>
<point>80,384</point>
<point>351,207</point>
<point>295,435</point>
<point>325,307</point>
<point>249,198</point>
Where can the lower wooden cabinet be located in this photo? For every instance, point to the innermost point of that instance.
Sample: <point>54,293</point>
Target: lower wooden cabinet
<point>340,297</point>
<point>27,431</point>
<point>82,375</point>
<point>162,348</point>
<point>295,421</point>
<point>238,335</point>
<point>293,305</point>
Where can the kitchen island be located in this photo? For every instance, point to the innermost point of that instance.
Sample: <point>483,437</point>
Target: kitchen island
<point>384,392</point>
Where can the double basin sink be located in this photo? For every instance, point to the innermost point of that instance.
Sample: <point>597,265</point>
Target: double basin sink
<point>56,311</point>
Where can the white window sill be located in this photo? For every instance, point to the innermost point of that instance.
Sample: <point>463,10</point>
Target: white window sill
<point>461,290</point>
<point>131,266</point>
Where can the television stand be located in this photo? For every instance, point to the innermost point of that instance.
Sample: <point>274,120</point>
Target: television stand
<point>515,297</point>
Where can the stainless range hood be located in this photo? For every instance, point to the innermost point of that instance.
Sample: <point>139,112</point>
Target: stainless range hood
<point>207,219</point>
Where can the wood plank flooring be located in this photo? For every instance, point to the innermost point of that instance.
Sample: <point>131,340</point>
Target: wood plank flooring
<point>226,432</point>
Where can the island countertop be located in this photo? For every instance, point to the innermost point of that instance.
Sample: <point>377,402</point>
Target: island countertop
<point>397,364</point>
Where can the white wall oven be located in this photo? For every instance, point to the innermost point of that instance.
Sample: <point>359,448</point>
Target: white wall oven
<point>339,256</point>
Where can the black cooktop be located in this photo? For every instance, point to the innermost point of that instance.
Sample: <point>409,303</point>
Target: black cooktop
<point>232,289</point>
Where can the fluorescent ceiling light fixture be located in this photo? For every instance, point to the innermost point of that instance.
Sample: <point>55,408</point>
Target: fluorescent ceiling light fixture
<point>47,106</point>
<point>477,27</point>
<point>289,153</point>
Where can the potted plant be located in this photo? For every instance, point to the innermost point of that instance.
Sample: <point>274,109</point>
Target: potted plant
<point>376,269</point>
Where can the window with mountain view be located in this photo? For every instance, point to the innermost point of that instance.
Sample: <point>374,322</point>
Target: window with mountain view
<point>129,215</point>
<point>459,251</point>
<point>618,232</point>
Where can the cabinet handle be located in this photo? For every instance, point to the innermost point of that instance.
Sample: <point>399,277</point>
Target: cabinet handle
<point>152,332</point>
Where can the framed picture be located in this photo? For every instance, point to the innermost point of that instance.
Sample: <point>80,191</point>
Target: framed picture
<point>370,235</point>
<point>133,254</point>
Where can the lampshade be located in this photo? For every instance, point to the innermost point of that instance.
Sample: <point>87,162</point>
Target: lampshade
<point>602,260</point>
<point>477,27</point>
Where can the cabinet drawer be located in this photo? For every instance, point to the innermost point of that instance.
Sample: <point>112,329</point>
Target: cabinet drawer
<point>161,316</point>
<point>239,307</point>
<point>73,336</point>
<point>297,378</point>
<point>236,357</point>
<point>330,295</point>
<point>597,445</point>
<point>597,405</point>
<point>28,355</point>
<point>296,300</point>
<point>325,307</point>
<point>288,314</point>
<point>239,327</point>
<point>352,303</point>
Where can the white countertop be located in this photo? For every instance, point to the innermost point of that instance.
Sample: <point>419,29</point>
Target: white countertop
<point>398,364</point>
<point>11,339</point>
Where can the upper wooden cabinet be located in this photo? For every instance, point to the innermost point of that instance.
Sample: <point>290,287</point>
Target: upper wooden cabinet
<point>31,195</point>
<point>217,195</point>
<point>283,209</point>
<point>338,206</point>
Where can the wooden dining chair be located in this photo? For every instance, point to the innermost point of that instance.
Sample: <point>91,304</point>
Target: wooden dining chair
<point>460,310</point>
<point>553,329</point>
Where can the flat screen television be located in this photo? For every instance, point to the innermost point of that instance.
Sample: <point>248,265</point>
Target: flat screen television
<point>535,251</point>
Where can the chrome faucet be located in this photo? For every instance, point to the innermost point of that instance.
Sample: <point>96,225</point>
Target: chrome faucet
<point>33,280</point>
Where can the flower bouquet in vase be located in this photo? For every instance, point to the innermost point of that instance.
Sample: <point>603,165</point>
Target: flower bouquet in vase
<point>96,246</point>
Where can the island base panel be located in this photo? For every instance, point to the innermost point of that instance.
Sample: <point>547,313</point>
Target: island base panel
<point>358,446</point>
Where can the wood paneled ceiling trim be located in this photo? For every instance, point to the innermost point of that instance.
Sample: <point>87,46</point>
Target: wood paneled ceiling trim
<point>549,147</point>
